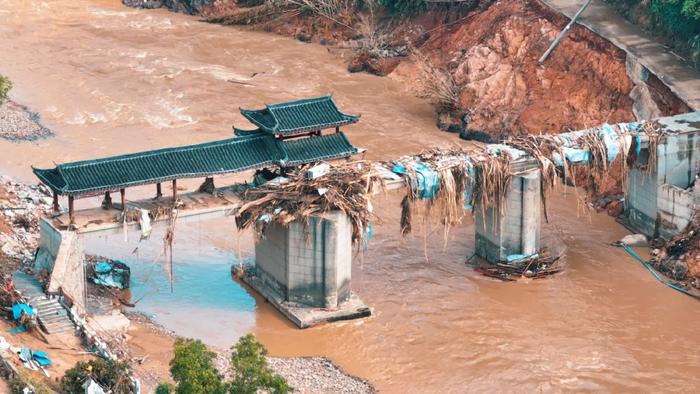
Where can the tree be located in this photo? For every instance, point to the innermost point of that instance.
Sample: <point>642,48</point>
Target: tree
<point>5,86</point>
<point>165,388</point>
<point>193,369</point>
<point>251,370</point>
<point>112,375</point>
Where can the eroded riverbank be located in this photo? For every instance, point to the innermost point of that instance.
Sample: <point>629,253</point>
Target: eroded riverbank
<point>145,79</point>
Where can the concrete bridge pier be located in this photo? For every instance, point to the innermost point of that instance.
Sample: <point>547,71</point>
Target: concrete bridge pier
<point>516,229</point>
<point>305,271</point>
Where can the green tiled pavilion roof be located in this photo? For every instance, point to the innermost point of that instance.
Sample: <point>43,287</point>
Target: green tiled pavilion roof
<point>218,157</point>
<point>299,116</point>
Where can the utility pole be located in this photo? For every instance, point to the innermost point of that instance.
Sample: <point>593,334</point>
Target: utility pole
<point>563,32</point>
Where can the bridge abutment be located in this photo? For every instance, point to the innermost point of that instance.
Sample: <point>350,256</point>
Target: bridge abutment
<point>659,201</point>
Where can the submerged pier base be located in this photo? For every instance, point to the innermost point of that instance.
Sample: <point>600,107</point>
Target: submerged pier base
<point>305,271</point>
<point>516,229</point>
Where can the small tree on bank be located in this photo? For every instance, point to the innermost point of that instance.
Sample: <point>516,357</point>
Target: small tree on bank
<point>193,370</point>
<point>5,87</point>
<point>251,370</point>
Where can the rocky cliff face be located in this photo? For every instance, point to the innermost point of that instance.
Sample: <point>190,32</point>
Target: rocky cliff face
<point>192,7</point>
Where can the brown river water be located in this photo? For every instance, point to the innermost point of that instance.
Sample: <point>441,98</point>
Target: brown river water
<point>111,80</point>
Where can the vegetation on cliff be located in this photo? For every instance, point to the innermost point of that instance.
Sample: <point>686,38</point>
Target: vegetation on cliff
<point>676,20</point>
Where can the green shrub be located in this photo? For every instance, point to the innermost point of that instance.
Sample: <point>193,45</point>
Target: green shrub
<point>5,87</point>
<point>165,388</point>
<point>404,7</point>
<point>251,370</point>
<point>676,20</point>
<point>112,375</point>
<point>193,369</point>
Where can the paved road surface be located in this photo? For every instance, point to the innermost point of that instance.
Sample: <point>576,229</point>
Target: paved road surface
<point>601,18</point>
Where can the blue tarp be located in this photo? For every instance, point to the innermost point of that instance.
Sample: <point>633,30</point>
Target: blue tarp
<point>427,182</point>
<point>41,358</point>
<point>17,310</point>
<point>112,274</point>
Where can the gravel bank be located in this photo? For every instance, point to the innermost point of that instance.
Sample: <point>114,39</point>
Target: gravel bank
<point>18,123</point>
<point>318,375</point>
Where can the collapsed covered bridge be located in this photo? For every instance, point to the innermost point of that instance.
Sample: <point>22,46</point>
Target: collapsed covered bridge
<point>306,270</point>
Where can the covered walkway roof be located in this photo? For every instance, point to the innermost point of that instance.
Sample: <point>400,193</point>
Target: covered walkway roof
<point>297,117</point>
<point>231,155</point>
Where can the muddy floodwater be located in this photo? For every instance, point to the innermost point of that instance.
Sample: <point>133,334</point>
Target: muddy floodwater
<point>110,80</point>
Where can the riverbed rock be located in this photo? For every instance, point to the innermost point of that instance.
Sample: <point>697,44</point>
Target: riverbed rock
<point>633,240</point>
<point>207,8</point>
<point>381,66</point>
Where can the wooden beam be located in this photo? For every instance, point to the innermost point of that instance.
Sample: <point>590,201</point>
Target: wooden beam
<point>174,190</point>
<point>123,194</point>
<point>71,210</point>
<point>159,191</point>
<point>55,202</point>
<point>108,200</point>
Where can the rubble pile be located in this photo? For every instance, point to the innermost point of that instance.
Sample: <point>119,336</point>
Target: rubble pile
<point>21,207</point>
<point>679,258</point>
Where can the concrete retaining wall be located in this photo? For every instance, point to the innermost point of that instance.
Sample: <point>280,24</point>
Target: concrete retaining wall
<point>62,253</point>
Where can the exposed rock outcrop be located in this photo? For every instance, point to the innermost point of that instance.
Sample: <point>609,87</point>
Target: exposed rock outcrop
<point>192,7</point>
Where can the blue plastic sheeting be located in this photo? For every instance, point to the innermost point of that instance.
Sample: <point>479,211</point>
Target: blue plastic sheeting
<point>41,358</point>
<point>17,330</point>
<point>17,310</point>
<point>610,138</point>
<point>573,155</point>
<point>111,275</point>
<point>427,182</point>
<point>102,267</point>
<point>516,258</point>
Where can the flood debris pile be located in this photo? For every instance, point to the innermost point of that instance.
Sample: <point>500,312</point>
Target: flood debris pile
<point>679,258</point>
<point>21,206</point>
<point>441,184</point>
<point>592,158</point>
<point>536,266</point>
<point>312,190</point>
<point>444,185</point>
